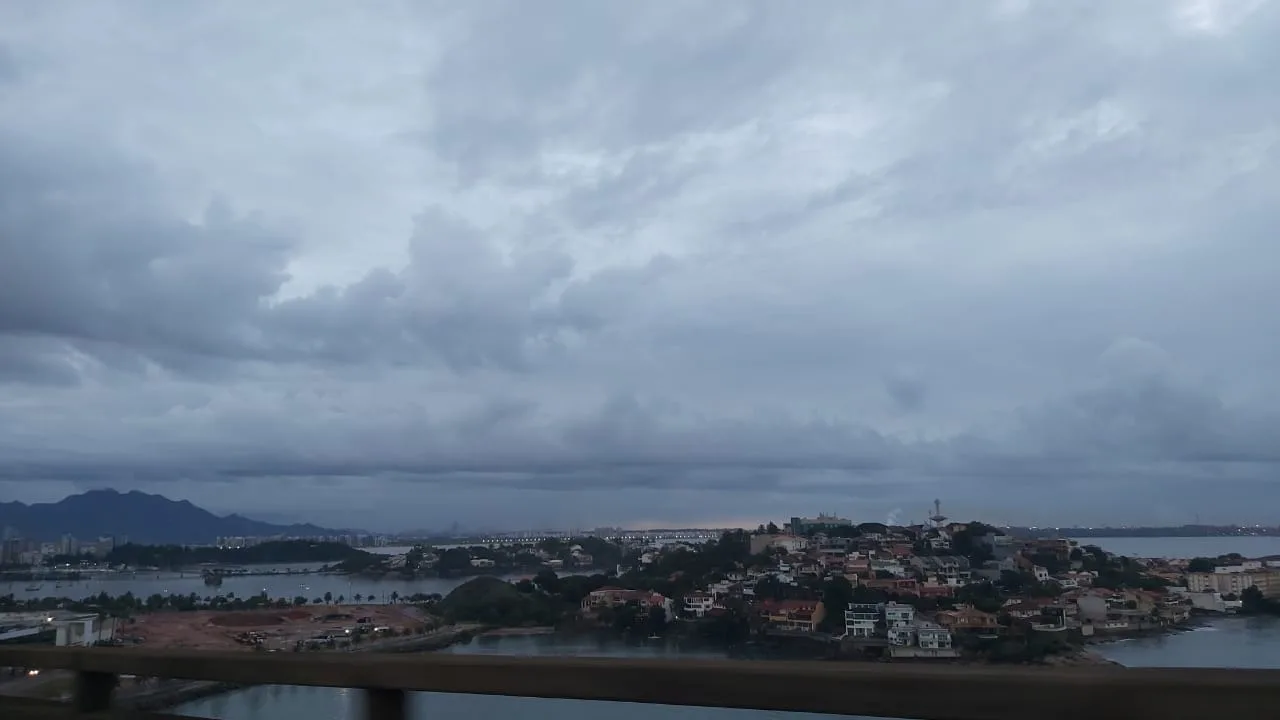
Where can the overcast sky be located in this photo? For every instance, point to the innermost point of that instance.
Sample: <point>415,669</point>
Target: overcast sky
<point>513,264</point>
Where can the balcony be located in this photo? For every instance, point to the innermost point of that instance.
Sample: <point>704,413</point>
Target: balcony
<point>882,690</point>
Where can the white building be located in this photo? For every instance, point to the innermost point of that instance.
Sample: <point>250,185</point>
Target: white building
<point>904,636</point>
<point>81,630</point>
<point>933,637</point>
<point>898,615</point>
<point>860,619</point>
<point>698,604</point>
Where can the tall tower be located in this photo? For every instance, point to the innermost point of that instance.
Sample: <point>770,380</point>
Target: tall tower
<point>938,518</point>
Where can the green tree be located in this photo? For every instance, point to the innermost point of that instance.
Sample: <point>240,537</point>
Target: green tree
<point>837,593</point>
<point>328,597</point>
<point>548,581</point>
<point>454,559</point>
<point>1200,564</point>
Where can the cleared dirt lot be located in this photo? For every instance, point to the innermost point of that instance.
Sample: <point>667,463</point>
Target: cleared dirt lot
<point>280,629</point>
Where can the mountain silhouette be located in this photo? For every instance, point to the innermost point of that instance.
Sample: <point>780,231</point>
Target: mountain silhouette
<point>142,517</point>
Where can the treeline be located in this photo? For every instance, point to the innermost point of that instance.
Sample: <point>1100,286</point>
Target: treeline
<point>546,599</point>
<point>128,604</point>
<point>274,552</point>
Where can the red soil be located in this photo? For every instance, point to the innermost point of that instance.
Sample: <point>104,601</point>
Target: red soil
<point>250,619</point>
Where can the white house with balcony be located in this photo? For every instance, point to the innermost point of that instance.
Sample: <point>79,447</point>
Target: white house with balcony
<point>861,619</point>
<point>933,637</point>
<point>698,604</point>
<point>898,615</point>
<point>904,636</point>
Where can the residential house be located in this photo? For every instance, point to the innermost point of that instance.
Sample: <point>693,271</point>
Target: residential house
<point>968,618</point>
<point>1041,573</point>
<point>1026,608</point>
<point>861,620</point>
<point>943,569</point>
<point>792,615</point>
<point>933,637</point>
<point>893,567</point>
<point>898,615</point>
<point>791,543</point>
<point>858,566</point>
<point>900,551</point>
<point>902,636</point>
<point>612,597</point>
<point>697,604</point>
<point>933,590</point>
<point>894,585</point>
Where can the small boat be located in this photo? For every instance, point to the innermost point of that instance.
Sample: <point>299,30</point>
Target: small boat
<point>33,588</point>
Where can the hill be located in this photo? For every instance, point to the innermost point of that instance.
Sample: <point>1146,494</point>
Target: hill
<point>492,601</point>
<point>143,518</point>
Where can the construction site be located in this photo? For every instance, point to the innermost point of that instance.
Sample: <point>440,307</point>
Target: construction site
<point>299,628</point>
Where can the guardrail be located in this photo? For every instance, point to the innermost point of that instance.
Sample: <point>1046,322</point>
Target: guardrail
<point>876,689</point>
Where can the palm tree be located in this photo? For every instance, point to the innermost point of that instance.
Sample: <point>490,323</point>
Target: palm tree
<point>359,597</point>
<point>395,596</point>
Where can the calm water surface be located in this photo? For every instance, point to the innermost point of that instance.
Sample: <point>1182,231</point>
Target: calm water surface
<point>1188,547</point>
<point>1230,642</point>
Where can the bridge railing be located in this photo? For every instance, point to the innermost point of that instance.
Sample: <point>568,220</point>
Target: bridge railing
<point>875,689</point>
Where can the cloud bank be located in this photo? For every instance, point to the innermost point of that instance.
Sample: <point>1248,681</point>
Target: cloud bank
<point>583,264</point>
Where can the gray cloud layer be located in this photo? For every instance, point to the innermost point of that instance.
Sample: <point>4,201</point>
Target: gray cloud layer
<point>581,264</point>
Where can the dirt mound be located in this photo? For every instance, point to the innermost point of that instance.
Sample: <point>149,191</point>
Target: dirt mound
<point>297,615</point>
<point>246,619</point>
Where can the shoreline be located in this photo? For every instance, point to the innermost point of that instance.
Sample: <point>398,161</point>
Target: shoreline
<point>166,698</point>
<point>520,631</point>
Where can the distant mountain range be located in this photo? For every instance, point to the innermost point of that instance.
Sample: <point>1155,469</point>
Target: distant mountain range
<point>142,517</point>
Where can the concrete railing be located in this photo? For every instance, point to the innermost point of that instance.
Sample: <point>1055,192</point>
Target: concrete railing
<point>877,689</point>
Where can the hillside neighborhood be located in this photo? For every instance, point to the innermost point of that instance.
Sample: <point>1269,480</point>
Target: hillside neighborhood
<point>932,591</point>
<point>938,590</point>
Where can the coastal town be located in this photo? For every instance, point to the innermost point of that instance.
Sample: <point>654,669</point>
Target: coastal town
<point>820,587</point>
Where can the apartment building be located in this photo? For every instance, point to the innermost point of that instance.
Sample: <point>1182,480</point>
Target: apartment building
<point>1235,579</point>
